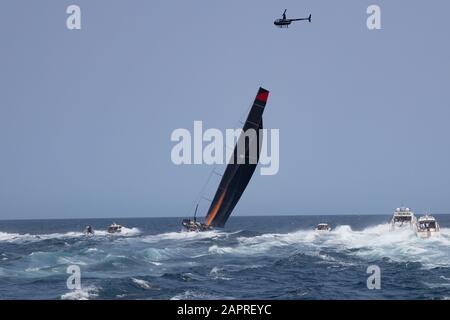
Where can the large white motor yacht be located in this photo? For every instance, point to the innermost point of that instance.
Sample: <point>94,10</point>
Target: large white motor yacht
<point>403,217</point>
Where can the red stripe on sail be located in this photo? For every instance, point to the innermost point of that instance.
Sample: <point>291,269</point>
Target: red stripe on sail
<point>263,96</point>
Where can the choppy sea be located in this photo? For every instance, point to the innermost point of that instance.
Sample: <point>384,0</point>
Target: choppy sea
<point>252,258</point>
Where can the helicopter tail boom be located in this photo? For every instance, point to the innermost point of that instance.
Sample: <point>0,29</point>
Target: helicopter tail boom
<point>309,19</point>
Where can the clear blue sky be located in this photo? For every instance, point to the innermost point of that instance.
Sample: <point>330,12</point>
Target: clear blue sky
<point>86,116</point>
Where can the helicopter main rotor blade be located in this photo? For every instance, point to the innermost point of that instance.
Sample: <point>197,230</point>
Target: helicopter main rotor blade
<point>301,19</point>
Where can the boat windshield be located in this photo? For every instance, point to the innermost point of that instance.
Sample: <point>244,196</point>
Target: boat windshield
<point>402,219</point>
<point>427,225</point>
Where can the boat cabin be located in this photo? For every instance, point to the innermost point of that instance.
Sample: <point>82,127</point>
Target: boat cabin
<point>323,227</point>
<point>402,215</point>
<point>427,223</point>
<point>114,228</point>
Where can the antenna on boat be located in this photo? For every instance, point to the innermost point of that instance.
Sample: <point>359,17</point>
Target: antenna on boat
<point>195,213</point>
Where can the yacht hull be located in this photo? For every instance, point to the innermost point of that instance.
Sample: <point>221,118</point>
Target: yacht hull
<point>427,234</point>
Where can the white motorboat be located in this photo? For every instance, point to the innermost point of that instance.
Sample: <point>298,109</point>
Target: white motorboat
<point>323,227</point>
<point>115,228</point>
<point>427,226</point>
<point>403,218</point>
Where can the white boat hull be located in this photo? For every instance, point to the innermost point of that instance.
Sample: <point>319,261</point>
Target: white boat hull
<point>402,226</point>
<point>427,234</point>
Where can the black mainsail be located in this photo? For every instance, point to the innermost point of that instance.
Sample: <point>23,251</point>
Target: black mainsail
<point>241,166</point>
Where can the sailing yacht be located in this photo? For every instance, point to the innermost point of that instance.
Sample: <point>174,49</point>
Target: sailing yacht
<point>403,217</point>
<point>194,225</point>
<point>237,173</point>
<point>427,226</point>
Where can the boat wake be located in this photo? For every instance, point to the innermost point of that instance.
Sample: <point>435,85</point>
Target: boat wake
<point>372,243</point>
<point>16,237</point>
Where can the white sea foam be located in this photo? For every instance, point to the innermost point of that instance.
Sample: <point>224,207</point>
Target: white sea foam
<point>32,269</point>
<point>13,237</point>
<point>125,232</point>
<point>4,236</point>
<point>197,295</point>
<point>374,242</point>
<point>217,273</point>
<point>81,294</point>
<point>26,237</point>
<point>69,260</point>
<point>179,236</point>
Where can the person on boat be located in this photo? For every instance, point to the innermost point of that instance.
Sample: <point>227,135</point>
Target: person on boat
<point>89,230</point>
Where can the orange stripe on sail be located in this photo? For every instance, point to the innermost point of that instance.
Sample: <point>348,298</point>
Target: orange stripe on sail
<point>215,209</point>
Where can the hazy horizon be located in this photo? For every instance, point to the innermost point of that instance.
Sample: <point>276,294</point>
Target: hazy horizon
<point>233,216</point>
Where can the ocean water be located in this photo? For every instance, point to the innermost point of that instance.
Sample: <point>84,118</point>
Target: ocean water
<point>252,258</point>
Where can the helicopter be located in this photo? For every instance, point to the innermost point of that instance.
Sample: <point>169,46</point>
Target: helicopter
<point>284,22</point>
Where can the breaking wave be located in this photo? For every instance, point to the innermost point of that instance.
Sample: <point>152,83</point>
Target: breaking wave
<point>372,243</point>
<point>81,294</point>
<point>16,237</point>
